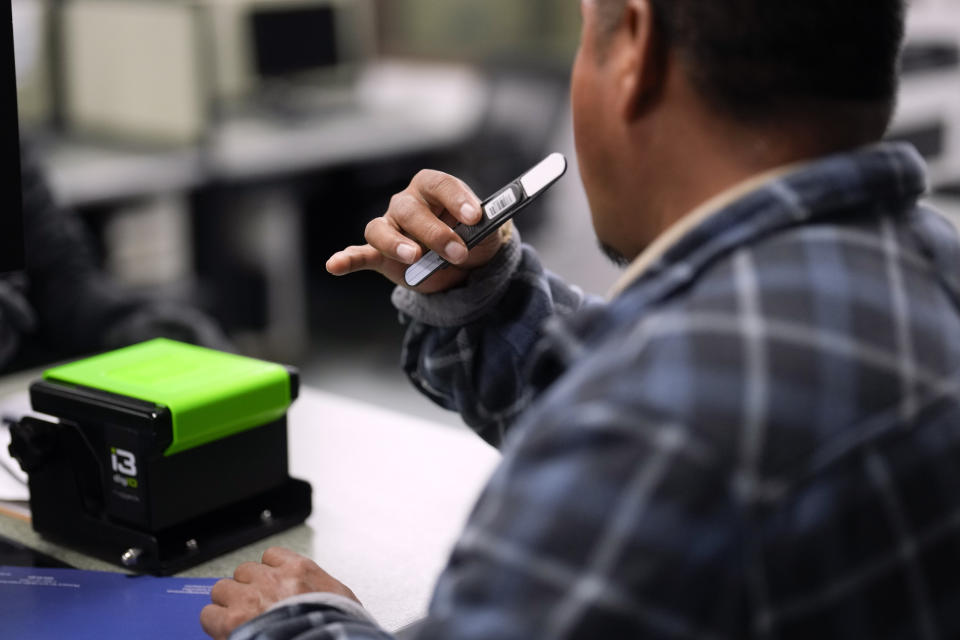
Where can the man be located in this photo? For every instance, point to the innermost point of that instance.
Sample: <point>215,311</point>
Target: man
<point>759,435</point>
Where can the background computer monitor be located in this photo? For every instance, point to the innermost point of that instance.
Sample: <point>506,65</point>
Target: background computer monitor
<point>294,39</point>
<point>11,210</point>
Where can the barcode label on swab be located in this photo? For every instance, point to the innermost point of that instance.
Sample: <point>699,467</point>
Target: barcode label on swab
<point>497,206</point>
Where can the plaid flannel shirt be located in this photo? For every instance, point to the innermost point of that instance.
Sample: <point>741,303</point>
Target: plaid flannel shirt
<point>759,438</point>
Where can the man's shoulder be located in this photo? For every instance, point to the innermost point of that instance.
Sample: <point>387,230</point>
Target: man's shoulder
<point>801,334</point>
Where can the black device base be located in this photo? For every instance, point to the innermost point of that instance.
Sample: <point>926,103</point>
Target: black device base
<point>14,554</point>
<point>189,543</point>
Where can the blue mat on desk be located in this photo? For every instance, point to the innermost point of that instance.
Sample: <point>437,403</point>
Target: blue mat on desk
<point>54,604</point>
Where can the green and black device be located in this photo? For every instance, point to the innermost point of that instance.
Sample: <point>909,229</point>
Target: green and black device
<point>163,454</point>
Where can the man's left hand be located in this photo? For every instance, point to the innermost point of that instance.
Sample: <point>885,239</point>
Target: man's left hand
<point>256,586</point>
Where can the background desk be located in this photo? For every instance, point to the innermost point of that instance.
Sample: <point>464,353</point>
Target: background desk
<point>390,495</point>
<point>398,108</point>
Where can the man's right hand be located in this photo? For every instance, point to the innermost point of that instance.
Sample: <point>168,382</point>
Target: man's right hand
<point>419,219</point>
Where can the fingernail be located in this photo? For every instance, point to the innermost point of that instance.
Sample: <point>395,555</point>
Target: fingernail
<point>469,212</point>
<point>407,253</point>
<point>455,252</point>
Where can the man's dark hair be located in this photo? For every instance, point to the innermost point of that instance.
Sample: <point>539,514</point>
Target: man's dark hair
<point>757,60</point>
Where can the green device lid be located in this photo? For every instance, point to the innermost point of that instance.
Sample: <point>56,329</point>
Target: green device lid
<point>210,394</point>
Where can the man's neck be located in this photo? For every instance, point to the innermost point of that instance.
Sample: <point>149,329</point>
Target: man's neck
<point>707,161</point>
<point>678,229</point>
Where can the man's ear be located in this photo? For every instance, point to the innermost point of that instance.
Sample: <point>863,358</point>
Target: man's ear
<point>641,59</point>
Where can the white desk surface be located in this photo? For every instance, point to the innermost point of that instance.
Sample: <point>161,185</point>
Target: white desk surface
<point>390,495</point>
